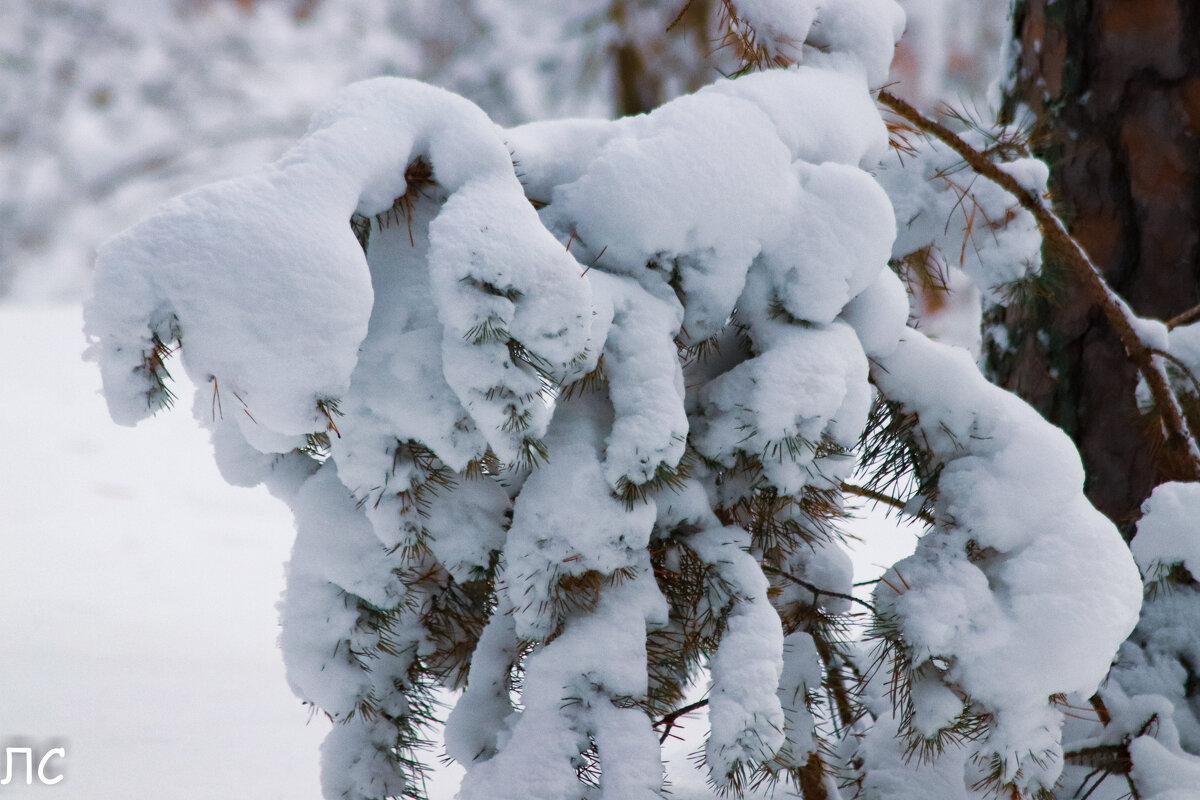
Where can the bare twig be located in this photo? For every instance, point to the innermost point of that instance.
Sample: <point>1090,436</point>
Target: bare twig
<point>816,590</point>
<point>1186,318</point>
<point>886,499</point>
<point>669,720</point>
<point>848,710</point>
<point>1178,437</point>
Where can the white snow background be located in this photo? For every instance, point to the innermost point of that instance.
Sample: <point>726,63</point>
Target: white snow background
<point>137,595</point>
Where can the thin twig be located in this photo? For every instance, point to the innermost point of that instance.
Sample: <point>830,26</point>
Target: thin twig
<point>848,710</point>
<point>669,719</point>
<point>816,590</point>
<point>1185,318</point>
<point>1054,232</point>
<point>886,499</point>
<point>1104,773</point>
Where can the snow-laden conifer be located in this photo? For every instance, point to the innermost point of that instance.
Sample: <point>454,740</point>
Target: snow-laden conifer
<point>565,412</point>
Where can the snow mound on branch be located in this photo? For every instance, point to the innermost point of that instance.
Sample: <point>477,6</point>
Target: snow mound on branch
<point>580,686</point>
<point>965,243</point>
<point>1022,590</point>
<point>645,381</point>
<point>1161,774</point>
<point>1167,532</point>
<point>231,267</point>
<point>593,531</point>
<point>833,202</point>
<point>810,383</point>
<point>821,115</point>
<point>701,226</point>
<point>879,314</point>
<point>766,141</point>
<point>745,711</point>
<point>863,30</point>
<point>780,26</point>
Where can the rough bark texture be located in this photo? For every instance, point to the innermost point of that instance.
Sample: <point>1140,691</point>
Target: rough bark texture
<point>1114,86</point>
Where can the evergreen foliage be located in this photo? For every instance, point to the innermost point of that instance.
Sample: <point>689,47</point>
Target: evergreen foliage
<point>572,440</point>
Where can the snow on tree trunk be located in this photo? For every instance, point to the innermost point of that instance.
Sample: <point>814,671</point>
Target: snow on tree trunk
<point>566,459</point>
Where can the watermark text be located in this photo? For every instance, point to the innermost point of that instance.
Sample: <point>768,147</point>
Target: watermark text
<point>20,761</point>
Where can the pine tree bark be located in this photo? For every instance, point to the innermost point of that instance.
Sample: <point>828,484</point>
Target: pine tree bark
<point>1114,91</point>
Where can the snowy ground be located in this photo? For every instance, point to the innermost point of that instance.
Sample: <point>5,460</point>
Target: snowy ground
<point>137,595</point>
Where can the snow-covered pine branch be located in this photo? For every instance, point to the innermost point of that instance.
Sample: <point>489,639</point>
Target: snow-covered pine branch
<point>567,459</point>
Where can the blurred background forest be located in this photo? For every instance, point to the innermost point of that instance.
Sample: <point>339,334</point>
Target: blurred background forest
<point>109,107</point>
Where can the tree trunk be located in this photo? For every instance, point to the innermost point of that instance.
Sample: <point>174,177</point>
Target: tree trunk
<point>1114,91</point>
<point>658,57</point>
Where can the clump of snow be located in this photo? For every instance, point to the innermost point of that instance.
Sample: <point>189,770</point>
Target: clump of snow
<point>820,114</point>
<point>1152,669</point>
<point>1152,332</point>
<point>879,314</point>
<point>1161,774</point>
<point>645,381</point>
<point>1167,532</point>
<point>576,687</point>
<point>779,26</point>
<point>744,710</point>
<point>475,723</point>
<point>1020,569</point>
<point>889,773</point>
<point>935,705</point>
<point>668,216</point>
<point>834,200</point>
<point>810,384</point>
<point>864,30</point>
<point>550,539</point>
<point>1184,344</point>
<point>964,242</point>
<point>1031,173</point>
